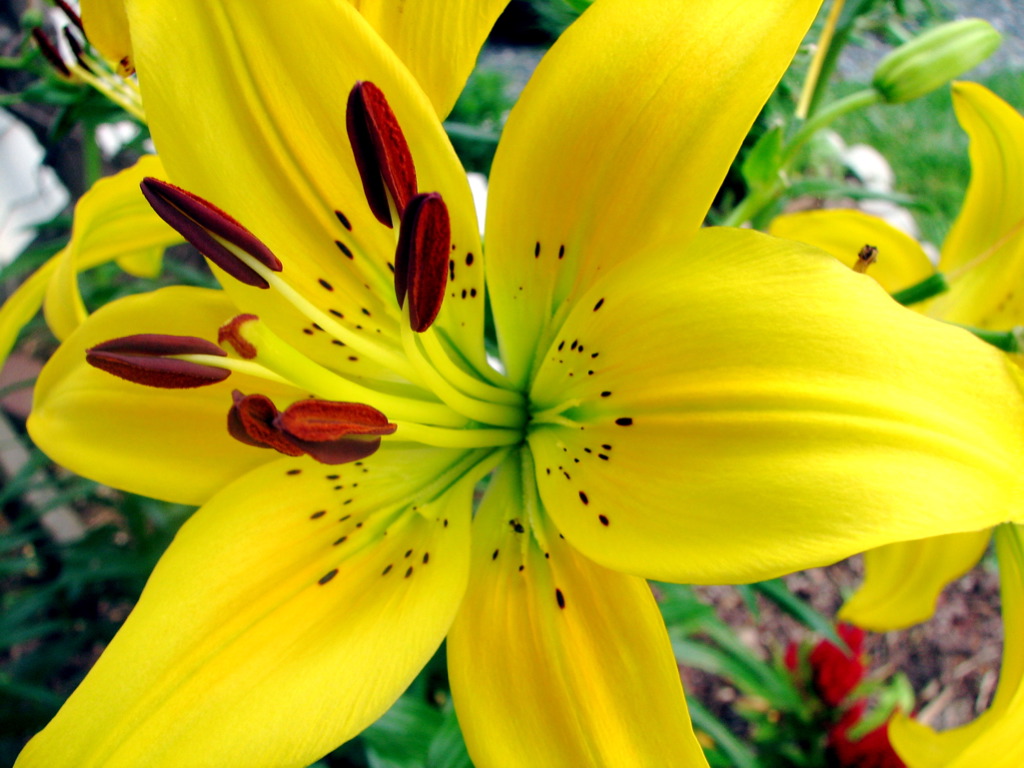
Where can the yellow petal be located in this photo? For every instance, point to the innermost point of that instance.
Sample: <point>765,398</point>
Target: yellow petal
<point>555,660</point>
<point>262,638</point>
<point>984,252</point>
<point>166,443</point>
<point>438,40</point>
<point>259,130</point>
<point>902,581</point>
<point>106,24</point>
<point>993,740</point>
<point>621,140</point>
<point>767,409</point>
<point>112,221</point>
<point>901,260</point>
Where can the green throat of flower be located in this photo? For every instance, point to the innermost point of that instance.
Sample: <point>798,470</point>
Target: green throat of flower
<point>441,400</point>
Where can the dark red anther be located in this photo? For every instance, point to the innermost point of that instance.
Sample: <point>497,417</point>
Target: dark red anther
<point>421,259</point>
<point>381,152</point>
<point>49,51</point>
<point>323,420</point>
<point>251,421</point>
<point>330,432</point>
<point>231,333</point>
<point>72,14</point>
<point>199,221</point>
<point>76,49</point>
<point>147,358</point>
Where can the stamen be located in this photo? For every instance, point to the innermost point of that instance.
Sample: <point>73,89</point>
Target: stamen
<point>322,420</point>
<point>329,432</point>
<point>201,223</point>
<point>421,259</point>
<point>77,50</point>
<point>867,256</point>
<point>49,51</point>
<point>149,359</point>
<point>72,14</point>
<point>251,421</point>
<point>381,152</point>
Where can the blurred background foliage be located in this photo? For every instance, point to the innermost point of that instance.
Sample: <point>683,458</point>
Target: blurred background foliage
<point>74,556</point>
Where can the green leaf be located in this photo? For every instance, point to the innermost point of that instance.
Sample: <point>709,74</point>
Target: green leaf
<point>448,749</point>
<point>738,754</point>
<point>777,591</point>
<point>761,166</point>
<point>397,739</point>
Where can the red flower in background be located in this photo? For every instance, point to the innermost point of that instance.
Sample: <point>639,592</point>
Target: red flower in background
<point>835,673</point>
<point>872,750</point>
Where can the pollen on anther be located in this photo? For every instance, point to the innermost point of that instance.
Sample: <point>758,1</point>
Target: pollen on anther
<point>318,514</point>
<point>624,421</point>
<point>560,598</point>
<point>603,519</point>
<point>328,576</point>
<point>583,498</point>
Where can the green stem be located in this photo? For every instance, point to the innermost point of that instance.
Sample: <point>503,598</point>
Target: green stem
<point>1008,341</point>
<point>761,198</point>
<point>827,116</point>
<point>92,160</point>
<point>931,286</point>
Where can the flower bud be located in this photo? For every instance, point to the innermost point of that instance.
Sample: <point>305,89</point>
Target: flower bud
<point>934,58</point>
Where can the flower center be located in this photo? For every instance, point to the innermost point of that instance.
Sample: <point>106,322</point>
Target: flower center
<point>433,397</point>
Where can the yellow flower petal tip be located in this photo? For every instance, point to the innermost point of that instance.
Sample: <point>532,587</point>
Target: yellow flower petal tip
<point>711,405</point>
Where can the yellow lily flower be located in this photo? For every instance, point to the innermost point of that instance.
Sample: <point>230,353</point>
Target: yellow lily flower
<point>992,740</point>
<point>983,263</point>
<point>689,405</point>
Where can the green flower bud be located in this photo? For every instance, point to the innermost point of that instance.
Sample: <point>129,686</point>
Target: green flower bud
<point>934,58</point>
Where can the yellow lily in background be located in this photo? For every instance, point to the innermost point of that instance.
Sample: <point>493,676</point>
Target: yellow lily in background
<point>676,403</point>
<point>982,261</point>
<point>992,740</point>
<point>112,223</point>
